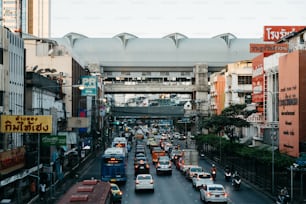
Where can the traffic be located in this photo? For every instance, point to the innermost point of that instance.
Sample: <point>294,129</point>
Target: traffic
<point>159,168</point>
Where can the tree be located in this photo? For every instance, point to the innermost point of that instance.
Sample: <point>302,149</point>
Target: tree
<point>233,116</point>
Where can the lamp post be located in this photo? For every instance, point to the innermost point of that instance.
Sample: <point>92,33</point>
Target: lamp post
<point>273,136</point>
<point>41,112</point>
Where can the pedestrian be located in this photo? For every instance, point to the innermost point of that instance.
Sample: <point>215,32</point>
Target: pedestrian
<point>33,188</point>
<point>42,191</point>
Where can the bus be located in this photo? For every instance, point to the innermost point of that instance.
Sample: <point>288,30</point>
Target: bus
<point>113,165</point>
<point>88,191</point>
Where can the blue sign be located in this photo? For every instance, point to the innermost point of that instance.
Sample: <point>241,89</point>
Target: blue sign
<point>90,84</point>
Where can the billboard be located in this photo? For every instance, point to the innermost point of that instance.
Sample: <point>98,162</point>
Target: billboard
<point>275,33</point>
<point>90,84</point>
<point>268,48</point>
<point>26,123</point>
<point>258,79</point>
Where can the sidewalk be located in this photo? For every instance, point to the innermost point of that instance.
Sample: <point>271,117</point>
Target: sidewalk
<point>54,192</point>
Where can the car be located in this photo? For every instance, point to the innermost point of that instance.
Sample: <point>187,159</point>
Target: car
<point>214,193</point>
<point>201,179</point>
<point>144,182</point>
<point>141,167</point>
<point>116,193</point>
<point>164,165</point>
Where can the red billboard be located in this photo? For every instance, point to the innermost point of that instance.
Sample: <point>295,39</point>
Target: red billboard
<point>258,79</point>
<point>275,33</point>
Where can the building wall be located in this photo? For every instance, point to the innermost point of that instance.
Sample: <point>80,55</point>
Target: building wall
<point>292,102</point>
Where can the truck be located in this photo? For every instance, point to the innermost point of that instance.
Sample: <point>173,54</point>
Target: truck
<point>190,157</point>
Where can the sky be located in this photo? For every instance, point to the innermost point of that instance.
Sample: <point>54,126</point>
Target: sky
<point>158,18</point>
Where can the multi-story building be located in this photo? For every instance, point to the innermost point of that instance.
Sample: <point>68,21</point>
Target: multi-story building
<point>27,16</point>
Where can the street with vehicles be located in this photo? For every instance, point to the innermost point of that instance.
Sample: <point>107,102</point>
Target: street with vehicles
<point>175,188</point>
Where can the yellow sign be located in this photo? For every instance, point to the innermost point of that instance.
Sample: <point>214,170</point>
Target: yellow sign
<point>26,123</point>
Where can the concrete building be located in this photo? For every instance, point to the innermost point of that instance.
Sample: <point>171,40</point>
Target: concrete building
<point>27,16</point>
<point>11,82</point>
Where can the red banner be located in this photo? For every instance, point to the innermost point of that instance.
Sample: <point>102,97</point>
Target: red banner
<point>269,48</point>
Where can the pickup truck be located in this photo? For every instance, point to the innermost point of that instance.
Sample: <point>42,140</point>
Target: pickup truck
<point>156,154</point>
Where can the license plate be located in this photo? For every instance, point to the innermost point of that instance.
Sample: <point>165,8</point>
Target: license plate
<point>217,195</point>
<point>113,180</point>
<point>141,167</point>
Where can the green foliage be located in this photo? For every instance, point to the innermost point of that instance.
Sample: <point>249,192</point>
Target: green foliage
<point>263,155</point>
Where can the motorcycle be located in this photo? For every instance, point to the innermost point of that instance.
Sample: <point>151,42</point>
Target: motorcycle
<point>227,175</point>
<point>236,182</point>
<point>213,175</point>
<point>283,199</point>
<point>202,155</point>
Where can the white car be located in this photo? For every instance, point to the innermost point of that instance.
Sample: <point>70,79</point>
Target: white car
<point>201,179</point>
<point>213,193</point>
<point>144,182</point>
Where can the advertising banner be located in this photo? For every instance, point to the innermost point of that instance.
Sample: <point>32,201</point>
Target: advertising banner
<point>258,79</point>
<point>275,33</point>
<point>26,124</point>
<point>90,84</point>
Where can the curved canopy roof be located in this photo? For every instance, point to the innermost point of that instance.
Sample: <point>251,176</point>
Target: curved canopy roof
<point>174,50</point>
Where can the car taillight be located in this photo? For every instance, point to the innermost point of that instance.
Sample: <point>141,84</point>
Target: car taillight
<point>151,181</point>
<point>120,193</point>
<point>137,182</point>
<point>225,194</point>
<point>136,166</point>
<point>208,194</point>
<point>147,166</point>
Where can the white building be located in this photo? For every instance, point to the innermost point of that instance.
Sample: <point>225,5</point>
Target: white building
<point>11,82</point>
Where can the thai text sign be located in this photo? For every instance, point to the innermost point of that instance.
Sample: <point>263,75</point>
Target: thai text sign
<point>56,140</point>
<point>275,33</point>
<point>269,48</point>
<point>26,124</point>
<point>90,85</point>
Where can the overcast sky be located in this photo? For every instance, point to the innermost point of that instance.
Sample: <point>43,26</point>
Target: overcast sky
<point>158,18</point>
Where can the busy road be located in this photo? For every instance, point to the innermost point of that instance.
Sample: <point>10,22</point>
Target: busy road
<point>175,188</point>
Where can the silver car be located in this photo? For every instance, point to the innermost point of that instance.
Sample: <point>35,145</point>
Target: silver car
<point>213,193</point>
<point>144,182</point>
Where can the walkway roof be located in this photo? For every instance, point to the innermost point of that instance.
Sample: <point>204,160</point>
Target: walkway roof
<point>174,50</point>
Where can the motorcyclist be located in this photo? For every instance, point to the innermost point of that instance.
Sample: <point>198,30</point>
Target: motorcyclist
<point>227,169</point>
<point>213,168</point>
<point>236,175</point>
<point>283,194</point>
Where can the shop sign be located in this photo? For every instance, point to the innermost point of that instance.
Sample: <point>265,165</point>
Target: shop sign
<point>56,140</point>
<point>275,33</point>
<point>12,160</point>
<point>269,48</point>
<point>26,124</point>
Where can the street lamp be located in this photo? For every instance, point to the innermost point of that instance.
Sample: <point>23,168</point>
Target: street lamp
<point>41,104</point>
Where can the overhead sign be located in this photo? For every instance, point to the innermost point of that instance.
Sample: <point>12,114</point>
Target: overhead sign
<point>26,124</point>
<point>56,140</point>
<point>90,84</point>
<point>269,48</point>
<point>275,33</point>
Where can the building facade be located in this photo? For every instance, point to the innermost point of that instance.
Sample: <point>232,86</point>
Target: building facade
<point>27,16</point>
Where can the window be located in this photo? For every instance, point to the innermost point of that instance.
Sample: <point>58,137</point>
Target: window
<point>244,80</point>
<point>1,55</point>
